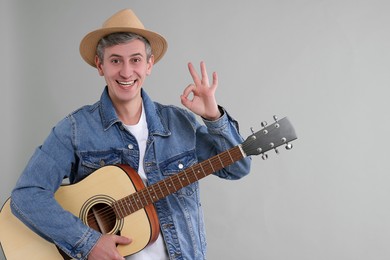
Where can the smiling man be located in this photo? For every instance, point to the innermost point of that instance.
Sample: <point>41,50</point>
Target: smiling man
<point>125,68</point>
<point>126,127</point>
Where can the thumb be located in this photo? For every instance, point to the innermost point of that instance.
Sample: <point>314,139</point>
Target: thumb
<point>121,240</point>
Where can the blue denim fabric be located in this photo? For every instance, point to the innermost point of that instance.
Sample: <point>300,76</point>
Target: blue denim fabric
<point>93,136</point>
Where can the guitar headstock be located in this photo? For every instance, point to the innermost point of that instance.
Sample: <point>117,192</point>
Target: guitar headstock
<point>281,132</point>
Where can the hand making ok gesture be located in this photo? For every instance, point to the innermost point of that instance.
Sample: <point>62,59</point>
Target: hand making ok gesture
<point>203,102</point>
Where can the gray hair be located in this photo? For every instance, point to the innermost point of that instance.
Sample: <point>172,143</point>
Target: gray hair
<point>121,38</point>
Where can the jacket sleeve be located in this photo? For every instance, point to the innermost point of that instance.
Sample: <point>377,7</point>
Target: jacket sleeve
<point>219,136</point>
<point>33,202</point>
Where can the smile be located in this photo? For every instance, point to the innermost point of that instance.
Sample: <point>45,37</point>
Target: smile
<point>126,83</point>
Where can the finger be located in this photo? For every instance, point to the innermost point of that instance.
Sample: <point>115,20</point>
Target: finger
<point>185,96</point>
<point>186,102</point>
<point>214,85</point>
<point>188,90</point>
<point>205,77</point>
<point>121,240</point>
<point>194,74</point>
<point>215,80</point>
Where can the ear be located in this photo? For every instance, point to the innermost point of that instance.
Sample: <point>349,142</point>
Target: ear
<point>99,65</point>
<point>150,65</point>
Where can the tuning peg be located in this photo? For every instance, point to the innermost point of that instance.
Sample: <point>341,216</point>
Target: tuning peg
<point>276,121</point>
<point>252,130</point>
<point>276,150</point>
<point>264,124</point>
<point>264,156</point>
<point>289,146</point>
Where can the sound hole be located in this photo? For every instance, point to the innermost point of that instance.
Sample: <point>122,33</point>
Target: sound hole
<point>101,217</point>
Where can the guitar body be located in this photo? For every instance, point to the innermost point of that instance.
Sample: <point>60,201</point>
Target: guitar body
<point>90,201</point>
<point>19,242</point>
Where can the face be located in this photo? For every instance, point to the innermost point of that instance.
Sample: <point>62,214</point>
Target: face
<point>125,68</point>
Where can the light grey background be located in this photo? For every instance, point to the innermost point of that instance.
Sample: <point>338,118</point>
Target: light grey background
<point>324,64</point>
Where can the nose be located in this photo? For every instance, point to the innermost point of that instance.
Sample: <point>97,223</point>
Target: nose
<point>126,70</point>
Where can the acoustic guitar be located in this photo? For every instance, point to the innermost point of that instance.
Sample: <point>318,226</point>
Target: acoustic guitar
<point>114,200</point>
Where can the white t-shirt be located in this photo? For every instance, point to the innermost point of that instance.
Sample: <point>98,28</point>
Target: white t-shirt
<point>157,250</point>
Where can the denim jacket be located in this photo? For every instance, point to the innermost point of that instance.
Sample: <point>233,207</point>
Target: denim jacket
<point>93,136</point>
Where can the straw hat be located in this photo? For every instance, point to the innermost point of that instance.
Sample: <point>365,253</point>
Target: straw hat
<point>123,21</point>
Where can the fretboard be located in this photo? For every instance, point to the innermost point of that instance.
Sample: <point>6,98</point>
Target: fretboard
<point>161,189</point>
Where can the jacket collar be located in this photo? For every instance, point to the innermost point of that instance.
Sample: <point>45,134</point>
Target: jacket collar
<point>155,122</point>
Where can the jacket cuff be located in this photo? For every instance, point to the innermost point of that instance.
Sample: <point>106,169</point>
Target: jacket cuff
<point>86,244</point>
<point>222,122</point>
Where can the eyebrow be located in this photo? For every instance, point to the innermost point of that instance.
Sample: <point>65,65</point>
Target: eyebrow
<point>132,55</point>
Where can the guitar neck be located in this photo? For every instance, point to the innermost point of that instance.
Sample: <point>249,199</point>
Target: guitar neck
<point>161,189</point>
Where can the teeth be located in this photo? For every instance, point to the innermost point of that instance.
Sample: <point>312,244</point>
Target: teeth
<point>127,83</point>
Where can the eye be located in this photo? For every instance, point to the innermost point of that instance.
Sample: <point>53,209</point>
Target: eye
<point>115,61</point>
<point>136,60</point>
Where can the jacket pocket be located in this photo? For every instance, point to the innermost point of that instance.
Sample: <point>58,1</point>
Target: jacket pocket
<point>177,164</point>
<point>91,161</point>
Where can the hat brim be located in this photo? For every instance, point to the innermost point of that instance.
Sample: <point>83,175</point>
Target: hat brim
<point>89,43</point>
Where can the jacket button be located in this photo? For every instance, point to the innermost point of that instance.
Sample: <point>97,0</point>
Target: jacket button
<point>181,166</point>
<point>102,163</point>
<point>130,146</point>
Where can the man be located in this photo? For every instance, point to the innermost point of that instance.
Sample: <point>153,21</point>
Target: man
<point>126,127</point>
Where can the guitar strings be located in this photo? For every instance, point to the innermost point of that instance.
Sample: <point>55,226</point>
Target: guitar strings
<point>107,212</point>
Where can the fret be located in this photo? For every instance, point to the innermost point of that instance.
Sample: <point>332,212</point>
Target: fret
<point>124,203</point>
<point>184,179</point>
<point>138,200</point>
<point>171,184</point>
<point>154,196</point>
<point>150,196</point>
<point>165,182</point>
<point>219,158</point>
<point>192,174</point>
<point>230,156</point>
<point>195,175</point>
<point>211,165</point>
<point>200,164</point>
<point>121,208</point>
<point>116,210</point>
<point>132,202</point>
<point>185,174</point>
<point>127,204</point>
<point>159,186</point>
<point>144,202</point>
<point>178,177</point>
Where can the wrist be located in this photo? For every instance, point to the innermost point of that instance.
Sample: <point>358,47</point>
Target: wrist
<point>218,115</point>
